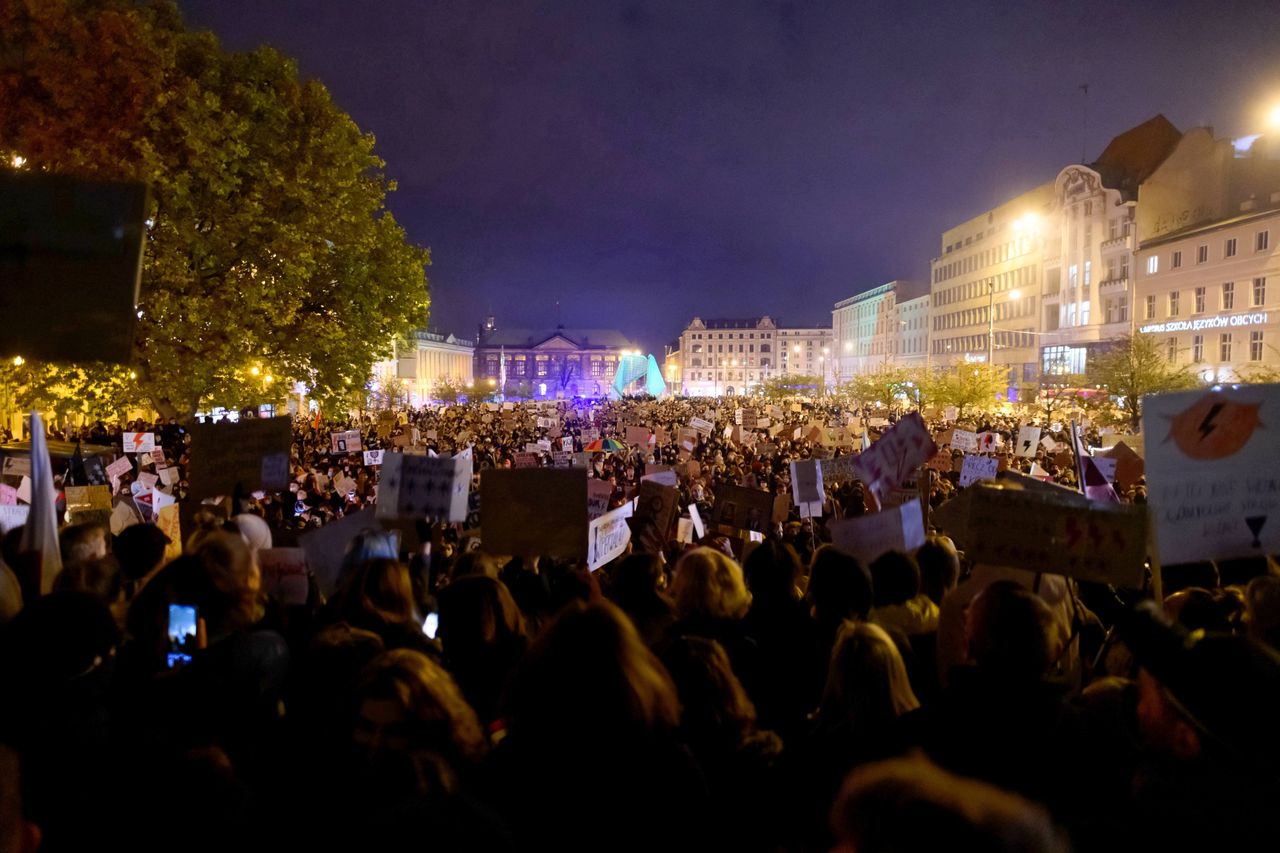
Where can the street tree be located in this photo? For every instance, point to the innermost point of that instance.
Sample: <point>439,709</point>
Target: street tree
<point>269,244</point>
<point>1134,367</point>
<point>969,386</point>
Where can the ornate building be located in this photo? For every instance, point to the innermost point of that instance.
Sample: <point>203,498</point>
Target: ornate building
<point>419,365</point>
<point>553,363</point>
<point>734,356</point>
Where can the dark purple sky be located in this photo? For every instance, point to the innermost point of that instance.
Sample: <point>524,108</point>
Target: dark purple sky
<point>643,162</point>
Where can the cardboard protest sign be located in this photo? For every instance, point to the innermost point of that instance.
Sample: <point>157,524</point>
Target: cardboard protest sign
<point>950,413</point>
<point>598,494</point>
<point>989,441</point>
<point>868,536</point>
<point>781,509</point>
<point>326,546</point>
<point>608,537</point>
<point>139,442</point>
<point>839,469</point>
<point>637,436</point>
<point>1129,465</point>
<point>386,423</point>
<point>170,524</point>
<point>534,511</point>
<point>561,459</point>
<point>977,468</point>
<point>17,466</point>
<point>345,442</point>
<point>253,454</point>
<point>147,480</point>
<point>169,476</point>
<point>284,575</point>
<point>525,460</point>
<point>748,419</point>
<point>940,461</point>
<point>701,425</point>
<point>888,463</point>
<point>424,487</point>
<point>965,440</point>
<point>1049,530</point>
<point>663,474</point>
<point>1213,473</point>
<point>1048,444</point>
<point>742,508</point>
<point>656,509</point>
<point>1028,440</point>
<point>696,518</point>
<point>806,482</point>
<point>119,468</point>
<point>88,497</point>
<point>373,457</point>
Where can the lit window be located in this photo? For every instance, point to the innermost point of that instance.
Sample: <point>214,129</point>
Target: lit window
<point>1259,291</point>
<point>1197,348</point>
<point>1263,241</point>
<point>1224,347</point>
<point>1229,249</point>
<point>1199,300</point>
<point>1153,265</point>
<point>1228,296</point>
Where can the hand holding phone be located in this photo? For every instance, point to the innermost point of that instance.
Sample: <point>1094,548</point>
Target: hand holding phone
<point>183,634</point>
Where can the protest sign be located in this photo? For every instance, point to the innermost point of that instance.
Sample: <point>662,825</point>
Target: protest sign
<point>663,474</point>
<point>8,495</point>
<point>373,457</point>
<point>748,419</point>
<point>696,518</point>
<point>701,425</point>
<point>17,466</point>
<point>940,461</point>
<point>965,440</point>
<point>139,442</point>
<point>1049,530</point>
<point>977,468</point>
<point>252,453</point>
<point>160,500</point>
<point>656,509</point>
<point>1129,465</point>
<point>12,516</point>
<point>1028,439</point>
<point>170,524</point>
<point>24,490</point>
<point>561,459</point>
<point>867,537</point>
<point>950,413</point>
<point>1106,467</point>
<point>1048,444</point>
<point>806,482</point>
<point>284,575</point>
<point>839,469</point>
<point>345,442</point>
<point>878,423</point>
<point>742,508</point>
<point>534,511</point>
<point>684,531</point>
<point>326,546</point>
<point>424,487</point>
<point>887,463</point>
<point>118,468</point>
<point>169,476</point>
<point>147,480</point>
<point>88,497</point>
<point>989,441</point>
<point>1213,474</point>
<point>525,460</point>
<point>607,537</point>
<point>637,436</point>
<point>598,494</point>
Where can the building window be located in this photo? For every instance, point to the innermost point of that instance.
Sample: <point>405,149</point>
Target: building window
<point>1224,347</point>
<point>697,347</point>
<point>1262,241</point>
<point>1255,345</point>
<point>1175,261</point>
<point>1199,300</point>
<point>1113,228</point>
<point>1259,290</point>
<point>1088,273</point>
<point>1153,265</point>
<point>1175,299</point>
<point>1124,311</point>
<point>1151,308</point>
<point>1197,349</point>
<point>1073,275</point>
<point>1229,248</point>
<point>1173,350</point>
<point>1202,254</point>
<point>1084,313</point>
<point>1228,296</point>
<point>1124,267</point>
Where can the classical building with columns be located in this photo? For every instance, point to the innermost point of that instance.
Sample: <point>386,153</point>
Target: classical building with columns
<point>423,362</point>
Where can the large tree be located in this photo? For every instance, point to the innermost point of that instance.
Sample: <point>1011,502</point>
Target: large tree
<point>969,386</point>
<point>270,246</point>
<point>1134,367</point>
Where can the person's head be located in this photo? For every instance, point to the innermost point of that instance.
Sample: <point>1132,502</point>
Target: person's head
<point>628,693</point>
<point>228,585</point>
<point>406,702</point>
<point>100,577</point>
<point>377,592</point>
<point>1220,609</point>
<point>772,570</point>
<point>474,563</point>
<point>636,579</point>
<point>1011,631</point>
<point>709,585</point>
<point>139,549</point>
<point>939,564</point>
<point>56,639</point>
<point>255,531</point>
<point>477,612</point>
<point>907,805</point>
<point>867,682</point>
<point>1262,614</point>
<point>895,577</point>
<point>716,709</point>
<point>87,541</point>
<point>367,545</point>
<point>839,587</point>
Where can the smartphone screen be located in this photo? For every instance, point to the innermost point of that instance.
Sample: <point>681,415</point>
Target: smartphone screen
<point>430,624</point>
<point>182,634</point>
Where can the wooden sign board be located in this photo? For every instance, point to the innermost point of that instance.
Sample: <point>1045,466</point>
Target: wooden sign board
<point>253,453</point>
<point>534,511</point>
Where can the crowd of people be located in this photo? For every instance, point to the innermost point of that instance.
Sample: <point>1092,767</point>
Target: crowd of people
<point>730,692</point>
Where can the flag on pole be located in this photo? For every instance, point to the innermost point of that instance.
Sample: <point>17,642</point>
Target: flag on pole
<point>866,440</point>
<point>40,533</point>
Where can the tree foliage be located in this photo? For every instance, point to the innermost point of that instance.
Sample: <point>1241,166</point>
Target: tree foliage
<point>778,387</point>
<point>969,386</point>
<point>1133,368</point>
<point>270,244</point>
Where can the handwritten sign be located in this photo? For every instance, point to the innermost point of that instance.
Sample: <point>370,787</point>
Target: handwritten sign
<point>839,469</point>
<point>964,440</point>
<point>977,468</point>
<point>345,442</point>
<point>598,494</point>
<point>534,511</point>
<point>742,508</point>
<point>253,454</point>
<point>608,537</point>
<point>1028,440</point>
<point>868,536</point>
<point>424,487</point>
<point>284,575</point>
<point>139,442</point>
<point>525,459</point>
<point>1213,474</point>
<point>701,425</point>
<point>13,515</point>
<point>656,509</point>
<point>120,467</point>
<point>887,464</point>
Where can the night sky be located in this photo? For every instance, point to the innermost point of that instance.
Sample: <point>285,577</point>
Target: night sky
<point>643,162</point>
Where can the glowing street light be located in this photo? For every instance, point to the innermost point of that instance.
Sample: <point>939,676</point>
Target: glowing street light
<point>254,371</point>
<point>1273,117</point>
<point>18,361</point>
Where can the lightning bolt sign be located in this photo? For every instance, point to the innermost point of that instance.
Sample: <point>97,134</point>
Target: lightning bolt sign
<point>1207,425</point>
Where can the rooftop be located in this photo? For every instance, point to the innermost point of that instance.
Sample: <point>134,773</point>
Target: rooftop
<point>582,338</point>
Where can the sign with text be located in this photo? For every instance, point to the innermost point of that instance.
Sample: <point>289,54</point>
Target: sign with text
<point>534,511</point>
<point>964,440</point>
<point>1213,473</point>
<point>977,468</point>
<point>120,467</point>
<point>347,441</point>
<point>742,508</point>
<point>139,442</point>
<point>868,536</point>
<point>373,457</point>
<point>253,453</point>
<point>701,425</point>
<point>525,459</point>
<point>839,469</point>
<point>806,482</point>
<point>598,494</point>
<point>889,462</point>
<point>608,537</point>
<point>284,575</point>
<point>424,487</point>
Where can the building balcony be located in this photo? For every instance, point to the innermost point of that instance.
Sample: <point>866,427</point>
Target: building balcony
<point>1111,285</point>
<point>1123,240</point>
<point>1052,298</point>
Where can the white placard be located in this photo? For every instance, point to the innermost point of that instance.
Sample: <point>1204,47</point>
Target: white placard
<point>120,467</point>
<point>868,536</point>
<point>139,442</point>
<point>806,482</point>
<point>977,468</point>
<point>13,516</point>
<point>1028,439</point>
<point>373,457</point>
<point>424,487</point>
<point>965,440</point>
<point>607,537</point>
<point>696,518</point>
